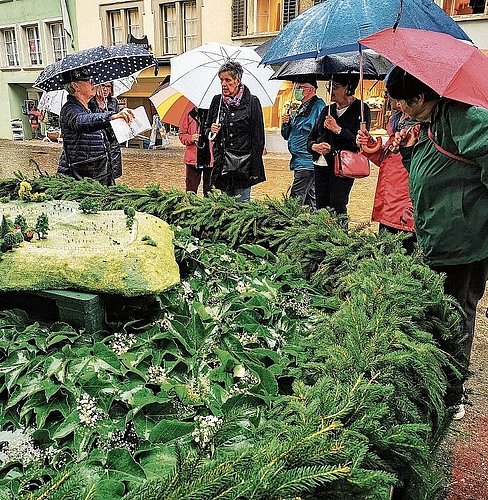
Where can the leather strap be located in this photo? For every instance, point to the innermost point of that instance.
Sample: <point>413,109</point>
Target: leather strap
<point>447,153</point>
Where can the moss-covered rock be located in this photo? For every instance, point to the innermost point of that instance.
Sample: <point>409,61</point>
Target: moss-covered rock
<point>90,252</point>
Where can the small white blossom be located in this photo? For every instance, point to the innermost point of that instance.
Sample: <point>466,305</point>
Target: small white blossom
<point>18,446</point>
<point>157,375</point>
<point>187,291</point>
<point>89,414</point>
<point>225,258</point>
<point>247,338</point>
<point>122,342</point>
<point>205,429</point>
<point>241,287</point>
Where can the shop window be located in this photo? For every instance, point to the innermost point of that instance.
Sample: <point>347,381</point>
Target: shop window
<point>120,21</point>
<point>32,45</point>
<point>10,52</point>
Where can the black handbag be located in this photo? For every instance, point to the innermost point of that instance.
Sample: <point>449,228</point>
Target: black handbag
<point>237,166</point>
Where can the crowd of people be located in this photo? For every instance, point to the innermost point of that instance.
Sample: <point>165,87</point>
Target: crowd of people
<point>433,169</point>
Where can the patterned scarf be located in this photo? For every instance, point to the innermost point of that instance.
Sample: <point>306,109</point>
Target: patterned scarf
<point>236,100</point>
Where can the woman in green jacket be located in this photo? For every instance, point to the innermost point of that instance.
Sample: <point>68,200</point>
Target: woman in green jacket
<point>448,179</point>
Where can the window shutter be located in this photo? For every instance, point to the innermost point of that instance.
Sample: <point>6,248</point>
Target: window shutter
<point>289,11</point>
<point>239,17</point>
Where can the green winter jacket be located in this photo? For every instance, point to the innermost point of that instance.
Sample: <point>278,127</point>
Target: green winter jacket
<point>450,198</point>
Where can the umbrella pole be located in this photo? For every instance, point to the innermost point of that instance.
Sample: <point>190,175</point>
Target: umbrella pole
<point>378,144</point>
<point>211,135</point>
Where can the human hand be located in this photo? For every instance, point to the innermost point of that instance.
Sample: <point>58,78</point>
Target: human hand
<point>331,124</point>
<point>407,137</point>
<point>195,137</point>
<point>285,118</point>
<point>126,114</point>
<point>322,148</point>
<point>363,138</point>
<point>215,128</point>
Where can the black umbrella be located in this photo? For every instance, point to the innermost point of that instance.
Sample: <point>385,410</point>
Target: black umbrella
<point>375,67</point>
<point>108,62</point>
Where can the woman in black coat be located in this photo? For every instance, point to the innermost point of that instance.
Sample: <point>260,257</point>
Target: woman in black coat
<point>336,128</point>
<point>235,125</point>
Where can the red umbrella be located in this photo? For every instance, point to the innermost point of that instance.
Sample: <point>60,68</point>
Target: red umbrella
<point>453,68</point>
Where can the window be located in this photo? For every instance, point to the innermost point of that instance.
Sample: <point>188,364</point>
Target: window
<point>58,41</point>
<point>33,45</point>
<point>121,20</point>
<point>189,26</point>
<point>464,7</point>
<point>10,53</point>
<point>177,26</point>
<point>170,35</point>
<point>268,15</point>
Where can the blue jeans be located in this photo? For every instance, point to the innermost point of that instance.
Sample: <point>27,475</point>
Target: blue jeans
<point>243,194</point>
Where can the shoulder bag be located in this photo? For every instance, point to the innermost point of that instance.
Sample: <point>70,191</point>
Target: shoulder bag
<point>237,166</point>
<point>350,164</point>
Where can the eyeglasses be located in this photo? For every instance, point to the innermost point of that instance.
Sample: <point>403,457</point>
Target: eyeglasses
<point>336,85</point>
<point>107,86</point>
<point>304,87</point>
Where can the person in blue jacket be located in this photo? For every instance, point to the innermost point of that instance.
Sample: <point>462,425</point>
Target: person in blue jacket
<point>295,129</point>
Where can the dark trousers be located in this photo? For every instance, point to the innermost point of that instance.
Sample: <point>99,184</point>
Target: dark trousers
<point>466,283</point>
<point>194,176</point>
<point>303,187</point>
<point>408,244</point>
<point>331,192</point>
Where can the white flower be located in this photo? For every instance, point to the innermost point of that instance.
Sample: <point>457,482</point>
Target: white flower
<point>89,414</point>
<point>19,447</point>
<point>157,375</point>
<point>205,429</point>
<point>187,291</point>
<point>122,342</point>
<point>241,287</point>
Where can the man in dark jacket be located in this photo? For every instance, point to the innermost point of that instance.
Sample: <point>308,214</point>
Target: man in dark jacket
<point>236,125</point>
<point>86,149</point>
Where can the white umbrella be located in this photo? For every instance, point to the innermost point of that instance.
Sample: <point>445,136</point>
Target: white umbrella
<point>52,101</point>
<point>195,73</point>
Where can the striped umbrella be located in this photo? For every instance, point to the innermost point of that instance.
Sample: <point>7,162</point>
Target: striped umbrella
<point>170,104</point>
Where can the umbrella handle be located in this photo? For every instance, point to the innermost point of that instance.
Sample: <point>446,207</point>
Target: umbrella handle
<point>213,135</point>
<point>374,148</point>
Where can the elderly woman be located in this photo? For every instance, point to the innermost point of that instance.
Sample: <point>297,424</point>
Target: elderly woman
<point>86,149</point>
<point>236,127</point>
<point>336,129</point>
<point>447,161</point>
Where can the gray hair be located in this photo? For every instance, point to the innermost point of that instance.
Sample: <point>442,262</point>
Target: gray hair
<point>234,68</point>
<point>69,88</point>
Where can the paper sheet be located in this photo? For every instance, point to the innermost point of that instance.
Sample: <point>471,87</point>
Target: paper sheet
<point>125,131</point>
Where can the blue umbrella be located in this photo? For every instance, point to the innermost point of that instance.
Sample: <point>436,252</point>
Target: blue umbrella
<point>335,26</point>
<point>108,62</point>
